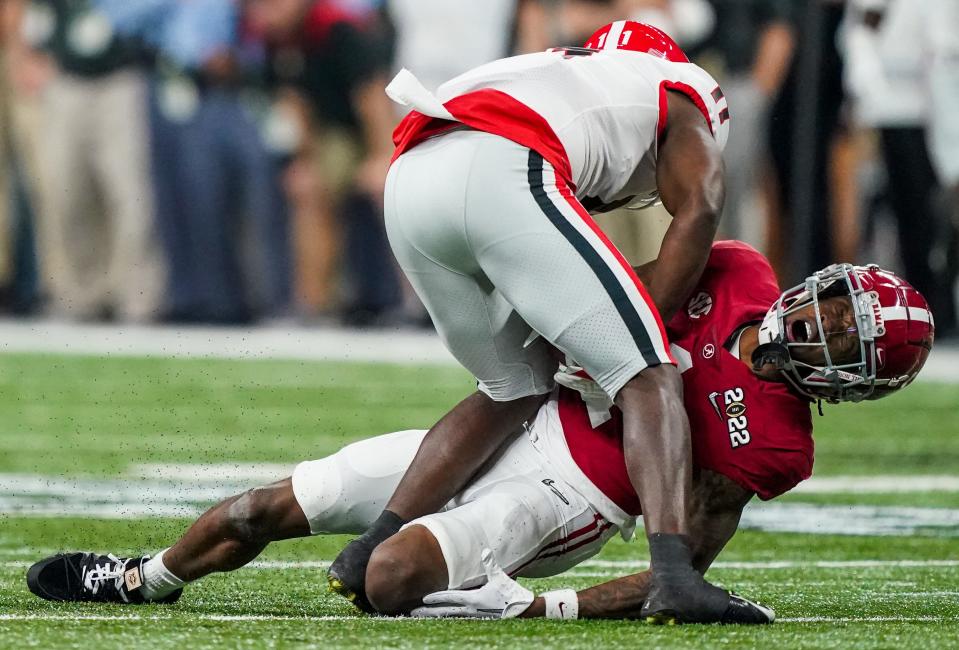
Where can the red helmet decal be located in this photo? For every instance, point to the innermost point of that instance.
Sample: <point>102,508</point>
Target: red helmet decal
<point>637,37</point>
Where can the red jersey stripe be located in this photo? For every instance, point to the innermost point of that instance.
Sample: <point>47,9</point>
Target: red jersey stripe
<point>491,111</point>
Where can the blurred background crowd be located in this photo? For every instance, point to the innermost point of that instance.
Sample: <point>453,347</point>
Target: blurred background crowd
<point>222,161</point>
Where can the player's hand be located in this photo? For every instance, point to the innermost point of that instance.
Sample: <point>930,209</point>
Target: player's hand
<point>678,593</point>
<point>684,599</point>
<point>500,597</point>
<point>585,386</point>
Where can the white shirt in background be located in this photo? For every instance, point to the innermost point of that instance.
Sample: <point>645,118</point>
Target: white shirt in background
<point>440,39</point>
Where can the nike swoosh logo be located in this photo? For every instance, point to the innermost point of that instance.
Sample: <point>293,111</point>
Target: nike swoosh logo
<point>561,612</point>
<point>548,482</point>
<point>712,400</point>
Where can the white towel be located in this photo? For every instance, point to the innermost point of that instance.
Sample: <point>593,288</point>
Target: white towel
<point>406,90</point>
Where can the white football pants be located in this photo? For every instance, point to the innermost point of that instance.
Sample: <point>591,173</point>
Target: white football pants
<point>499,250</point>
<point>535,523</point>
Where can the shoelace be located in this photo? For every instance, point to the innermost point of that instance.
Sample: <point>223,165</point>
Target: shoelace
<point>94,579</point>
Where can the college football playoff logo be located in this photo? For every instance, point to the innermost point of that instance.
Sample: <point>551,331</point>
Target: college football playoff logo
<point>700,305</point>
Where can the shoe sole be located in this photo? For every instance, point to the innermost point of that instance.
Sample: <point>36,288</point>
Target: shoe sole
<point>340,589</point>
<point>662,618</point>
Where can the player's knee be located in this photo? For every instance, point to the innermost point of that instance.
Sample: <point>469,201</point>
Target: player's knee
<point>403,569</point>
<point>252,516</point>
<point>388,578</point>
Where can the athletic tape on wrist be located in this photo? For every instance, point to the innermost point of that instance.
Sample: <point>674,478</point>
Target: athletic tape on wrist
<point>562,603</point>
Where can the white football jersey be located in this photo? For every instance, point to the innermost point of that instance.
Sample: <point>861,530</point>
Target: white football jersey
<point>606,108</point>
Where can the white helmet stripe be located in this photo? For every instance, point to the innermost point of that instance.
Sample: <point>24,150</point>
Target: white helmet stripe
<point>614,34</point>
<point>906,313</point>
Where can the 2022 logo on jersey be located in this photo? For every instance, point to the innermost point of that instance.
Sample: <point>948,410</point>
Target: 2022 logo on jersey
<point>733,412</point>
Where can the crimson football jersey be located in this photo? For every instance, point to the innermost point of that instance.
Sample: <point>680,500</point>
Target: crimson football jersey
<point>757,433</point>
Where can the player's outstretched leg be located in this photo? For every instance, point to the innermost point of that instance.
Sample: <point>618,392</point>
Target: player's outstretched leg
<point>224,538</point>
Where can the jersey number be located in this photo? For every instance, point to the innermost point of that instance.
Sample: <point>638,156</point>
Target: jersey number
<point>735,412</point>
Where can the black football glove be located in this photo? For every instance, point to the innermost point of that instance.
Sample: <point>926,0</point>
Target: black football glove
<point>679,594</point>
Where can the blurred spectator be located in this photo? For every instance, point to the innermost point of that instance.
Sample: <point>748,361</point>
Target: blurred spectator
<point>22,73</point>
<point>804,127</point>
<point>899,57</point>
<point>578,19</point>
<point>212,173</point>
<point>943,131</point>
<point>751,50</point>
<point>98,242</point>
<point>331,66</point>
<point>942,19</point>
<point>440,39</point>
<point>689,22</point>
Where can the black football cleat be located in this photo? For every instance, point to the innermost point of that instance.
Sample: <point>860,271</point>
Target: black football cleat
<point>346,576</point>
<point>92,578</point>
<point>742,611</point>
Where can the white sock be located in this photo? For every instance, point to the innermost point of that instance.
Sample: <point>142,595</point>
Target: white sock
<point>158,581</point>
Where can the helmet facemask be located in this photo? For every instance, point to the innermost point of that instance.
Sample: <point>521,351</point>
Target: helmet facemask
<point>836,380</point>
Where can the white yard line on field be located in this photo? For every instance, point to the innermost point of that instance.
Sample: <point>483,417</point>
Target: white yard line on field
<point>262,472</point>
<point>278,342</point>
<point>182,617</point>
<point>215,472</point>
<point>187,497</point>
<point>201,617</point>
<point>274,342</point>
<point>619,566</point>
<point>877,484</point>
<point>865,619</point>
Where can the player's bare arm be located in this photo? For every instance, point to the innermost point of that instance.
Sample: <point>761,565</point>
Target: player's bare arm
<point>689,175</point>
<point>717,504</point>
<point>690,182</point>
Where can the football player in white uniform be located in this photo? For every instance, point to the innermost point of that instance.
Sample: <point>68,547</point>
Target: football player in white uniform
<point>560,489</point>
<point>487,210</point>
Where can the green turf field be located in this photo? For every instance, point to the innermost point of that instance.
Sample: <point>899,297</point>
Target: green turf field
<point>95,421</point>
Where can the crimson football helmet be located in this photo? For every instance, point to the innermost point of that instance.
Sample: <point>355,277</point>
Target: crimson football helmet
<point>636,37</point>
<point>892,319</point>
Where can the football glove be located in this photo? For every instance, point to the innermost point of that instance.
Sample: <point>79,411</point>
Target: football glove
<point>597,401</point>
<point>679,594</point>
<point>500,597</point>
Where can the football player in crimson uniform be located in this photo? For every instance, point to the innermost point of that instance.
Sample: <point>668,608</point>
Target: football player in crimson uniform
<point>561,488</point>
<point>487,210</point>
